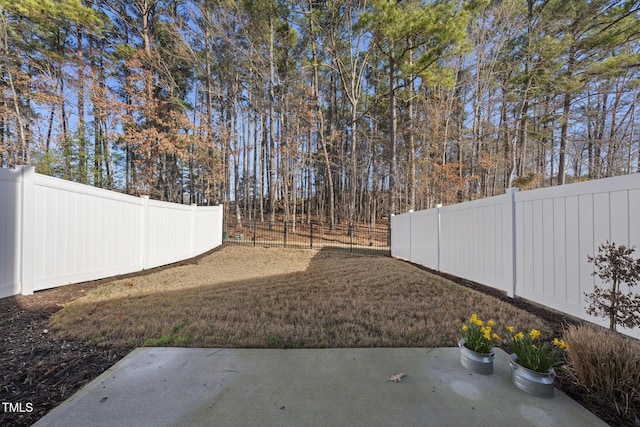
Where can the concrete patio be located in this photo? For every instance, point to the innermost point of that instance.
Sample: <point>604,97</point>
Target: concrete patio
<point>308,387</point>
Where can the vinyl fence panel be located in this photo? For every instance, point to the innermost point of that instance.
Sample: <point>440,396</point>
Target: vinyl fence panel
<point>476,241</point>
<point>55,232</point>
<point>169,233</point>
<point>401,236</point>
<point>424,238</point>
<point>207,232</point>
<point>83,233</point>
<point>559,227</point>
<point>534,244</point>
<point>10,182</point>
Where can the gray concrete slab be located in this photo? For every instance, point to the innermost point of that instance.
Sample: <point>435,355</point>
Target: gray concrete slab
<point>308,387</point>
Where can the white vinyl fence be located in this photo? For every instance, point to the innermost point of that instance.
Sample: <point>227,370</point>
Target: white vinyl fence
<point>532,244</point>
<point>55,232</point>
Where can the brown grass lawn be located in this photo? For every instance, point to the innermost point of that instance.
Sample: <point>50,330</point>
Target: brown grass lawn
<point>274,297</point>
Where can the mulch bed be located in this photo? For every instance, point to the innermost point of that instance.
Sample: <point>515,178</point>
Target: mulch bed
<point>40,370</point>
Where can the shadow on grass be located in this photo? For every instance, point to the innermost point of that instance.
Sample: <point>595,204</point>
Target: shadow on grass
<point>325,299</point>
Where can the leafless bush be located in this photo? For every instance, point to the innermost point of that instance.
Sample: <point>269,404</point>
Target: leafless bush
<point>615,265</point>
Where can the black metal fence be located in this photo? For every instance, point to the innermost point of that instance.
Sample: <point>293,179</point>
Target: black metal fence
<point>346,237</point>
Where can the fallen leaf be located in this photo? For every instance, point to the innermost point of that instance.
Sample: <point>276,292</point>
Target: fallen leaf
<point>397,377</point>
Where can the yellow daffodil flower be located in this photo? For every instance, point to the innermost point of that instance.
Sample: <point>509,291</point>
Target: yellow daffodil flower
<point>535,334</point>
<point>519,336</point>
<point>510,329</point>
<point>496,337</point>
<point>465,328</point>
<point>560,343</point>
<point>491,323</point>
<point>474,319</point>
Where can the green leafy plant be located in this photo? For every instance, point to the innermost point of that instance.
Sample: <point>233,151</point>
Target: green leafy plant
<point>615,265</point>
<point>534,353</point>
<point>478,336</point>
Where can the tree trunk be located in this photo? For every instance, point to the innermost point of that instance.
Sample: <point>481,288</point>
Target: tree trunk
<point>22,139</point>
<point>82,147</point>
<point>393,134</point>
<point>354,166</point>
<point>564,131</point>
<point>412,144</point>
<point>272,131</point>
<point>320,126</point>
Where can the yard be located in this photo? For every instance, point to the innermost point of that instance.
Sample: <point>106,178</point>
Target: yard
<point>238,297</point>
<point>275,297</point>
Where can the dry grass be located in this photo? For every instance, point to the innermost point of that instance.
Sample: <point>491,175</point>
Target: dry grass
<point>607,366</point>
<point>275,297</point>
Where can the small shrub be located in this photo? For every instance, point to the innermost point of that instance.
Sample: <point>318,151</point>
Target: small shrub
<point>607,366</point>
<point>615,265</point>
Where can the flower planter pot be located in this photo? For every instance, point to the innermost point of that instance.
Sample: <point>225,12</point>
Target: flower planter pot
<point>539,384</point>
<point>479,363</point>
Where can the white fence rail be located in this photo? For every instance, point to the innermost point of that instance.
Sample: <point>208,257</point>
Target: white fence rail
<point>533,244</point>
<point>55,232</point>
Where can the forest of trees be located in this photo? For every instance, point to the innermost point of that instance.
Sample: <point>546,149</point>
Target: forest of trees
<point>344,110</point>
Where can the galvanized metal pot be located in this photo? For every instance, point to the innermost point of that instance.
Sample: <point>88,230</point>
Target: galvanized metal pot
<point>479,363</point>
<point>539,384</point>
